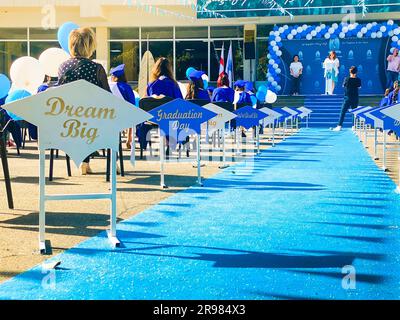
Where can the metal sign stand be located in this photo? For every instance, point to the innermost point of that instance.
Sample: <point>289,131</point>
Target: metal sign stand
<point>133,146</point>
<point>199,160</point>
<point>162,160</point>
<point>7,180</point>
<point>112,232</point>
<point>223,165</point>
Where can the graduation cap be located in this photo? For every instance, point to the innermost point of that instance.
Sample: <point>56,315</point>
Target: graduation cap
<point>249,86</point>
<point>240,83</point>
<point>118,71</point>
<point>196,75</point>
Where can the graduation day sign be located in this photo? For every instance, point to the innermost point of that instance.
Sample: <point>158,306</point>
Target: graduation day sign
<point>180,118</point>
<point>248,117</point>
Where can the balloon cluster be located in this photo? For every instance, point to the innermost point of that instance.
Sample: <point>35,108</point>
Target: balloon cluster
<point>265,95</point>
<point>27,73</point>
<point>372,30</point>
<point>205,77</point>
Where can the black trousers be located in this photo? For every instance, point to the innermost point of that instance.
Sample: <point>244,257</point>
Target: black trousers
<point>346,106</point>
<point>296,85</point>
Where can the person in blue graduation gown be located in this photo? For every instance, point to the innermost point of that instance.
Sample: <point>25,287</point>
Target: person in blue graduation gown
<point>196,87</point>
<point>119,87</point>
<point>243,96</point>
<point>394,95</point>
<point>385,100</point>
<point>162,82</point>
<point>223,93</point>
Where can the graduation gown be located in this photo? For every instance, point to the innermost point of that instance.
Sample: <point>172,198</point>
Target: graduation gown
<point>223,95</point>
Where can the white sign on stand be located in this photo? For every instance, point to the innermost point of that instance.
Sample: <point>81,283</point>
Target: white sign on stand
<point>218,123</point>
<point>78,118</point>
<point>392,112</point>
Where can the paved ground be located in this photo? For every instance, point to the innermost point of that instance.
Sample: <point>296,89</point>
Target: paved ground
<point>285,225</point>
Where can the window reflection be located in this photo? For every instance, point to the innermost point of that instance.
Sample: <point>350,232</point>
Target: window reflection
<point>126,52</point>
<point>191,54</point>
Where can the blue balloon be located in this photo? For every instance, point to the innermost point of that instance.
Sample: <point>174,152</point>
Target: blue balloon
<point>189,71</point>
<point>63,34</point>
<point>205,84</point>
<point>261,96</point>
<point>5,85</point>
<point>262,88</point>
<point>14,96</point>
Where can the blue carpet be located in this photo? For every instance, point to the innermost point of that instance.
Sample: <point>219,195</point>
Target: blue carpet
<point>281,227</point>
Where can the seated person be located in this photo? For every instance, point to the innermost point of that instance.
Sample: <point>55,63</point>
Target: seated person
<point>196,87</point>
<point>223,93</point>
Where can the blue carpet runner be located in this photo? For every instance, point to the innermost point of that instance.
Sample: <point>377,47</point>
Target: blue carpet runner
<point>280,227</point>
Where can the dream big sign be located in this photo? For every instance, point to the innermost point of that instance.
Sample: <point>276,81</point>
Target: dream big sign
<point>78,118</point>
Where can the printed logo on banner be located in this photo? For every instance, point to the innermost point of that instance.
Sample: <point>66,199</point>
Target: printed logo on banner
<point>369,84</point>
<point>301,55</point>
<point>360,69</point>
<point>334,44</point>
<point>248,117</point>
<point>317,56</point>
<point>179,119</point>
<point>369,54</point>
<point>317,84</point>
<point>351,55</point>
<point>308,70</point>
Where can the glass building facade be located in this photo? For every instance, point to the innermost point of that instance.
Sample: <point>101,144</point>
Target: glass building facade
<point>198,47</point>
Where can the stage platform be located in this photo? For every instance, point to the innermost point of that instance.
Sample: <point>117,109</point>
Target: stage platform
<point>326,109</point>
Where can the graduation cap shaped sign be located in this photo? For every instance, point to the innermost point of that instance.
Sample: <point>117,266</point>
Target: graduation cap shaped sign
<point>218,122</point>
<point>78,118</point>
<point>248,117</point>
<point>180,118</point>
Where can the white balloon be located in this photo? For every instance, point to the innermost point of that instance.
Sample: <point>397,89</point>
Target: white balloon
<point>279,53</point>
<point>275,66</point>
<point>276,48</point>
<point>273,43</point>
<point>299,30</point>
<point>395,38</point>
<point>335,26</point>
<point>318,29</point>
<point>309,37</point>
<point>274,83</point>
<point>364,30</point>
<point>342,35</point>
<point>345,29</point>
<point>304,26</point>
<point>281,30</point>
<point>285,27</point>
<point>379,34</point>
<point>369,26</point>
<point>390,22</point>
<point>390,33</point>
<point>313,33</point>
<point>359,35</point>
<point>279,88</point>
<point>398,42</point>
<point>290,37</point>
<point>278,39</point>
<point>383,29</point>
<point>331,30</point>
<point>270,79</point>
<point>396,31</point>
<point>27,73</point>
<point>327,35</point>
<point>373,35</point>
<point>51,59</point>
<point>271,97</point>
<point>278,71</point>
<point>271,61</point>
<point>323,26</point>
<point>374,23</point>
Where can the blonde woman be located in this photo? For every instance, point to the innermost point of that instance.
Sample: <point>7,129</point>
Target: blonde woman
<point>331,75</point>
<point>82,45</point>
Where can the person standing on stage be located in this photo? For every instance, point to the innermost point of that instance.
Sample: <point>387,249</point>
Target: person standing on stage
<point>296,71</point>
<point>393,68</point>
<point>351,85</point>
<point>331,75</point>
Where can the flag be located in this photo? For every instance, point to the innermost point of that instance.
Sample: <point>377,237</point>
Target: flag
<point>222,60</point>
<point>229,66</point>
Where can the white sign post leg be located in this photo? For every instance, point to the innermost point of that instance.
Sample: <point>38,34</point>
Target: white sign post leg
<point>133,146</point>
<point>112,233</point>
<point>384,150</point>
<point>223,165</point>
<point>162,160</point>
<point>42,196</point>
<point>258,139</point>
<point>376,144</point>
<point>199,160</point>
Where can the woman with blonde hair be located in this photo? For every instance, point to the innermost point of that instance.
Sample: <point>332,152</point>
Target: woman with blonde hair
<point>82,45</point>
<point>162,82</point>
<point>331,75</point>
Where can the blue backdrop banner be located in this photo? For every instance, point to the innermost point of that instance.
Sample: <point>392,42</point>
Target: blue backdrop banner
<point>368,55</point>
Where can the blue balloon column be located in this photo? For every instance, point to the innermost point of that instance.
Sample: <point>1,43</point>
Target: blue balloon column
<point>306,32</point>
